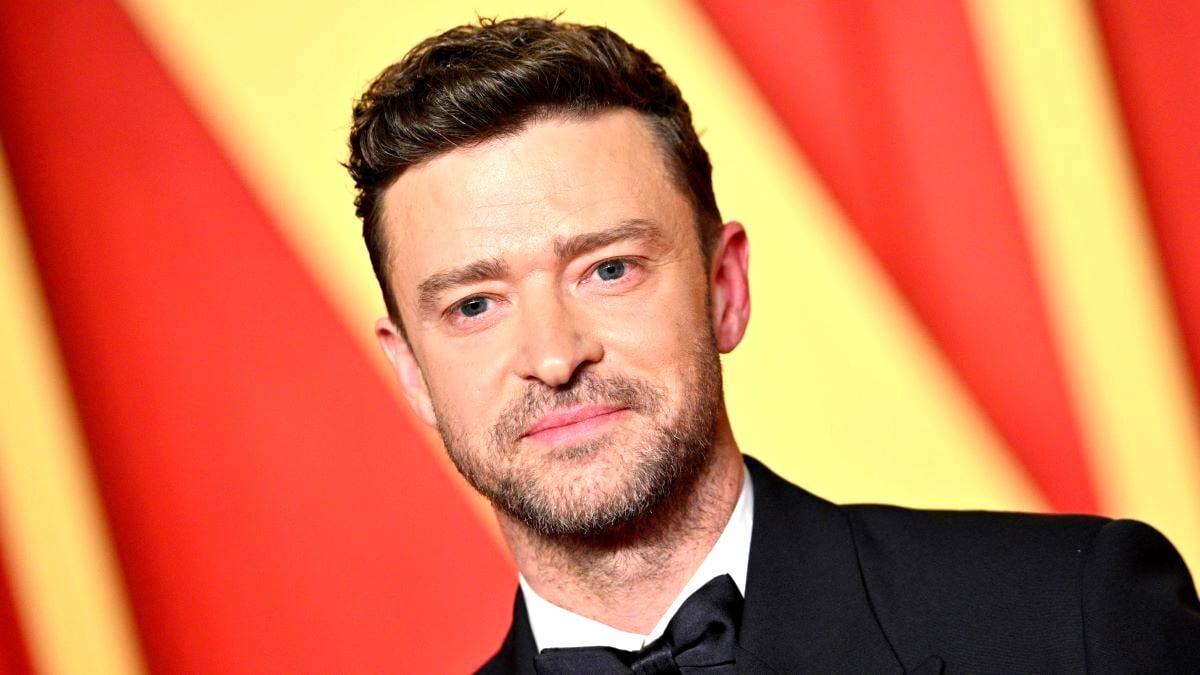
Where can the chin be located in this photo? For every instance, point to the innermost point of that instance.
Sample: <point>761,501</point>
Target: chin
<point>598,488</point>
<point>603,483</point>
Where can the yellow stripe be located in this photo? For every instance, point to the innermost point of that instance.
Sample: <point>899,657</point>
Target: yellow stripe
<point>298,101</point>
<point>1090,237</point>
<point>837,386</point>
<point>64,576</point>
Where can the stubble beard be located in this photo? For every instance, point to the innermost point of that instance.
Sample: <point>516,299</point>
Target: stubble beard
<point>609,484</point>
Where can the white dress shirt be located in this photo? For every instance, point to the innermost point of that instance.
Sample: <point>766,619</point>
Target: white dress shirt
<point>554,626</point>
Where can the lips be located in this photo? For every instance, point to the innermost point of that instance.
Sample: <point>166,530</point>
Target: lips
<point>574,421</point>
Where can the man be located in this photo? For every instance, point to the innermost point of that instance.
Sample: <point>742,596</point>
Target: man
<point>540,216</point>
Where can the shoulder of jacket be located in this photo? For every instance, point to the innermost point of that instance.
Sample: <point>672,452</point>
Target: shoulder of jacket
<point>976,586</point>
<point>992,532</point>
<point>1021,548</point>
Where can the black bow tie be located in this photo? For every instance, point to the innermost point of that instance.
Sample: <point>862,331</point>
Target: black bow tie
<point>700,638</point>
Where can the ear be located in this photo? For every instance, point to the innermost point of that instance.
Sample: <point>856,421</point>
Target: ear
<point>412,380</point>
<point>730,283</point>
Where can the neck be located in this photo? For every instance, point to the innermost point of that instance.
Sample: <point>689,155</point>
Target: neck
<point>628,578</point>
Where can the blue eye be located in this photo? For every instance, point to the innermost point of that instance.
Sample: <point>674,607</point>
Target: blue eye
<point>474,306</point>
<point>611,270</point>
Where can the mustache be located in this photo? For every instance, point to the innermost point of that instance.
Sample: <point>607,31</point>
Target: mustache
<point>538,399</point>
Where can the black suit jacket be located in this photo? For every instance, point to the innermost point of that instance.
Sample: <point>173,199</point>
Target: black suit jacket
<point>881,589</point>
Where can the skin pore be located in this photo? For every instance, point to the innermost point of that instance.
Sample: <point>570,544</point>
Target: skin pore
<point>563,336</point>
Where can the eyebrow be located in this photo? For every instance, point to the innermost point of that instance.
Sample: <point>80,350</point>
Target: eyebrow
<point>433,286</point>
<point>430,289</point>
<point>631,228</point>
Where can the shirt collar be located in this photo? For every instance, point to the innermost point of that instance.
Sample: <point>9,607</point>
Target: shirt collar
<point>553,626</point>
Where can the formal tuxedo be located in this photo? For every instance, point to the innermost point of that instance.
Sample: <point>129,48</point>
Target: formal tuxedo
<point>882,589</point>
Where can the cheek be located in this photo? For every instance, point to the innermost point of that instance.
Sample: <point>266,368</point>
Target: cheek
<point>657,333</point>
<point>461,388</point>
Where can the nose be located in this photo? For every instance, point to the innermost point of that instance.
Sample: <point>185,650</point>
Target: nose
<point>555,342</point>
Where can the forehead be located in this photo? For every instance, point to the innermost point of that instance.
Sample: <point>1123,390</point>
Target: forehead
<point>516,194</point>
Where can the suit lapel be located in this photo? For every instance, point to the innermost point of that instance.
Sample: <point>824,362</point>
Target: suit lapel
<point>806,607</point>
<point>518,650</point>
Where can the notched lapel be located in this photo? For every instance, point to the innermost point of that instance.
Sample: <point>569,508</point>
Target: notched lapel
<point>806,607</point>
<point>516,654</point>
<point>933,665</point>
<point>749,664</point>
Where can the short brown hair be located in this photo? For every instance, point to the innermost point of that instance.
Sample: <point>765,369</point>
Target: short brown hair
<point>476,82</point>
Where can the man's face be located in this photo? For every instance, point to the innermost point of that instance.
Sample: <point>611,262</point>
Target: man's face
<point>560,331</point>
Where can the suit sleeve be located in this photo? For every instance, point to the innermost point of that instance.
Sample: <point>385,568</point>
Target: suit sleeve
<point>1140,612</point>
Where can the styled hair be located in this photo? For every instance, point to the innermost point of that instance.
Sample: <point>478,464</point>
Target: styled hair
<point>477,82</point>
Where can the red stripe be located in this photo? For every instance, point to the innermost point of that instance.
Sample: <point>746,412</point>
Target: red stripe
<point>13,658</point>
<point>887,101</point>
<point>1152,47</point>
<point>271,510</point>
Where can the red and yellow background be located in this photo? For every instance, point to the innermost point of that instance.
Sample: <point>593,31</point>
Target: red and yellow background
<point>975,231</point>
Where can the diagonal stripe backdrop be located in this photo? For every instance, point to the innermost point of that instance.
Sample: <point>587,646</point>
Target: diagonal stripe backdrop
<point>976,279</point>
